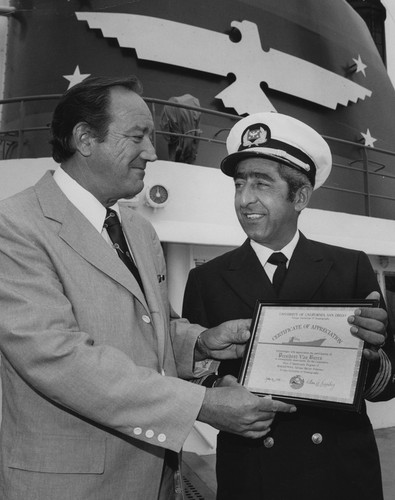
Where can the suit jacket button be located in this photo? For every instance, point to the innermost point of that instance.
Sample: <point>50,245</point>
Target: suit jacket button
<point>162,438</point>
<point>316,438</point>
<point>146,318</point>
<point>149,433</point>
<point>137,431</point>
<point>268,442</point>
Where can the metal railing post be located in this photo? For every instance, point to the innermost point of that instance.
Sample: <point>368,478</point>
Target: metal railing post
<point>366,181</point>
<point>154,117</point>
<point>20,128</point>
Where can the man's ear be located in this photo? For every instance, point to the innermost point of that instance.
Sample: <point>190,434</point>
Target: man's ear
<point>83,138</point>
<point>302,197</point>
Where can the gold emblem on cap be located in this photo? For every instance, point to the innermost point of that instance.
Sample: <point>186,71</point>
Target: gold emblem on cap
<point>254,137</point>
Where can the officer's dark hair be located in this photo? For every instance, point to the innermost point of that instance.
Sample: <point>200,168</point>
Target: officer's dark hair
<point>294,178</point>
<point>87,102</point>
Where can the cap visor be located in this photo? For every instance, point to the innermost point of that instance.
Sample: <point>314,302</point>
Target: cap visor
<point>229,163</point>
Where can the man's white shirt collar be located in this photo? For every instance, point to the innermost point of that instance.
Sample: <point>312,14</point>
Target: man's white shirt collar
<point>82,199</point>
<point>263,253</point>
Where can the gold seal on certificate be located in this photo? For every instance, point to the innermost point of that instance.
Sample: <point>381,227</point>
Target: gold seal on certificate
<point>306,353</point>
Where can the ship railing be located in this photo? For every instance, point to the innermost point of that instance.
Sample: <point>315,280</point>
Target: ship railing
<point>373,167</point>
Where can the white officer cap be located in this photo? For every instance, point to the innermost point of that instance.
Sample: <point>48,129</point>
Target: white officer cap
<point>280,138</point>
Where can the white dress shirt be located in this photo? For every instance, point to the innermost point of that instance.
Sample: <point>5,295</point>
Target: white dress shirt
<point>263,253</point>
<point>85,202</point>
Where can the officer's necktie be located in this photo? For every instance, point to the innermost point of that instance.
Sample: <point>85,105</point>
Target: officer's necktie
<point>280,260</point>
<point>114,230</point>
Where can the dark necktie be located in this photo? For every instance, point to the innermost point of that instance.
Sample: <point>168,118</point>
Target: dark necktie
<point>280,260</point>
<point>114,230</point>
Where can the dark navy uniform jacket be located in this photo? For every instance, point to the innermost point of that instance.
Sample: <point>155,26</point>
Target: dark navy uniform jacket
<point>315,453</point>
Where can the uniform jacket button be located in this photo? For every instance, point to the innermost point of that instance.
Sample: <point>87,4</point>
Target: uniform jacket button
<point>146,318</point>
<point>268,442</point>
<point>316,438</point>
<point>149,433</point>
<point>162,438</point>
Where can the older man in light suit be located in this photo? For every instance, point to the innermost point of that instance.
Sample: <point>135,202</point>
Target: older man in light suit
<point>93,402</point>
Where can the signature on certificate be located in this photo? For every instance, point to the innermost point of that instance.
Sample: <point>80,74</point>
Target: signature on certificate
<point>322,383</point>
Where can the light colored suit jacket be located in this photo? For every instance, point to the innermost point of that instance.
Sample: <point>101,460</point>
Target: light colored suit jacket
<point>87,414</point>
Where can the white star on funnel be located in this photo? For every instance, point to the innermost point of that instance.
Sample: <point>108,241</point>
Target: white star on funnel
<point>369,140</point>
<point>75,78</point>
<point>360,65</point>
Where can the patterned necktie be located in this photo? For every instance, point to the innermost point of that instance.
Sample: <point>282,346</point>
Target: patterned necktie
<point>280,260</point>
<point>114,230</point>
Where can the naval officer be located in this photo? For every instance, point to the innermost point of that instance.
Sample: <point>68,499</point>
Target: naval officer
<point>276,162</point>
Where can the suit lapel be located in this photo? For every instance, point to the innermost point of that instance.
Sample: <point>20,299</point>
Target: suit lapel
<point>142,253</point>
<point>92,247</point>
<point>246,276</point>
<point>307,270</point>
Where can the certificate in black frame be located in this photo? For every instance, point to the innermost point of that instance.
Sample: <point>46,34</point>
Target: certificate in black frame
<point>301,369</point>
